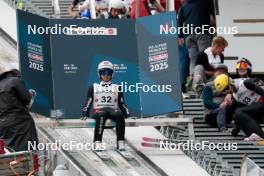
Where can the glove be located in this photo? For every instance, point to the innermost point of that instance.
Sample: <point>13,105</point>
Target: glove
<point>32,92</point>
<point>33,95</point>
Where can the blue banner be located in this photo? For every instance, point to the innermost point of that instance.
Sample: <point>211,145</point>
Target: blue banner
<point>65,54</point>
<point>158,65</point>
<point>35,59</point>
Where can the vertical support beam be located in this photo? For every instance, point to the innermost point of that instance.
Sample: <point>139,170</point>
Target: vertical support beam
<point>216,7</point>
<point>191,131</point>
<point>92,9</point>
<point>56,8</point>
<point>137,8</point>
<point>170,5</point>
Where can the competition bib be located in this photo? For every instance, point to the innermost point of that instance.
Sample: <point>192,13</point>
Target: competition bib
<point>244,95</point>
<point>105,96</point>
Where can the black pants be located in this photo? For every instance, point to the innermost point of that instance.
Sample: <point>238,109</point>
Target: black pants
<point>101,117</point>
<point>249,117</point>
<point>229,112</point>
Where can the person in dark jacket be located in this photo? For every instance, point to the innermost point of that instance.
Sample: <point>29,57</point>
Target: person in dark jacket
<point>218,111</point>
<point>17,127</point>
<point>116,10</point>
<point>196,14</point>
<point>183,56</point>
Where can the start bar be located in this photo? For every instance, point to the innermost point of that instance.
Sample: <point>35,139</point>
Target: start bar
<point>90,123</point>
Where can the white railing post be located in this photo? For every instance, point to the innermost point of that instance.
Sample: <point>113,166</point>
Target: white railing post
<point>92,9</point>
<point>170,5</point>
<point>56,8</point>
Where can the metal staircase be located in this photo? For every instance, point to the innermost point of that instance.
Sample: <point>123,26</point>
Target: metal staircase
<point>215,162</point>
<point>45,7</point>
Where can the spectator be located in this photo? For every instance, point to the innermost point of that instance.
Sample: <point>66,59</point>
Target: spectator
<point>206,62</point>
<point>20,4</point>
<point>17,127</point>
<point>220,69</point>
<point>71,12</point>
<point>144,9</point>
<point>243,68</point>
<point>184,65</point>
<point>101,6</point>
<point>177,4</point>
<point>196,13</point>
<point>116,9</point>
<point>183,57</point>
<point>218,110</point>
<point>249,98</point>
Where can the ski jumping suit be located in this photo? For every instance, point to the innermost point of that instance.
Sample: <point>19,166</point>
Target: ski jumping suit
<point>248,117</point>
<point>108,103</point>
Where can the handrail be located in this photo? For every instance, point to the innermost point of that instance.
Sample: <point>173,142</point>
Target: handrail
<point>92,9</point>
<point>170,5</point>
<point>56,8</point>
<point>11,3</point>
<point>8,38</point>
<point>28,3</point>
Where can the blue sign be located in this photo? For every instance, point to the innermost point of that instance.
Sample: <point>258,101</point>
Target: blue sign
<point>59,59</point>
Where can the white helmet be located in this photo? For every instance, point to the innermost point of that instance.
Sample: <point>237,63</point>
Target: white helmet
<point>115,4</point>
<point>105,67</point>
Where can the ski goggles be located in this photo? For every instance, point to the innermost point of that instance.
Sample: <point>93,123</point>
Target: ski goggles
<point>242,65</point>
<point>106,71</point>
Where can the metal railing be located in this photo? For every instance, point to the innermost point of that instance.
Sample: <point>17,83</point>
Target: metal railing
<point>250,168</point>
<point>56,8</point>
<point>29,6</point>
<point>216,162</point>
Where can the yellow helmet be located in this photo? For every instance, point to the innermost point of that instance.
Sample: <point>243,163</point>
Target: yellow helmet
<point>221,82</point>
